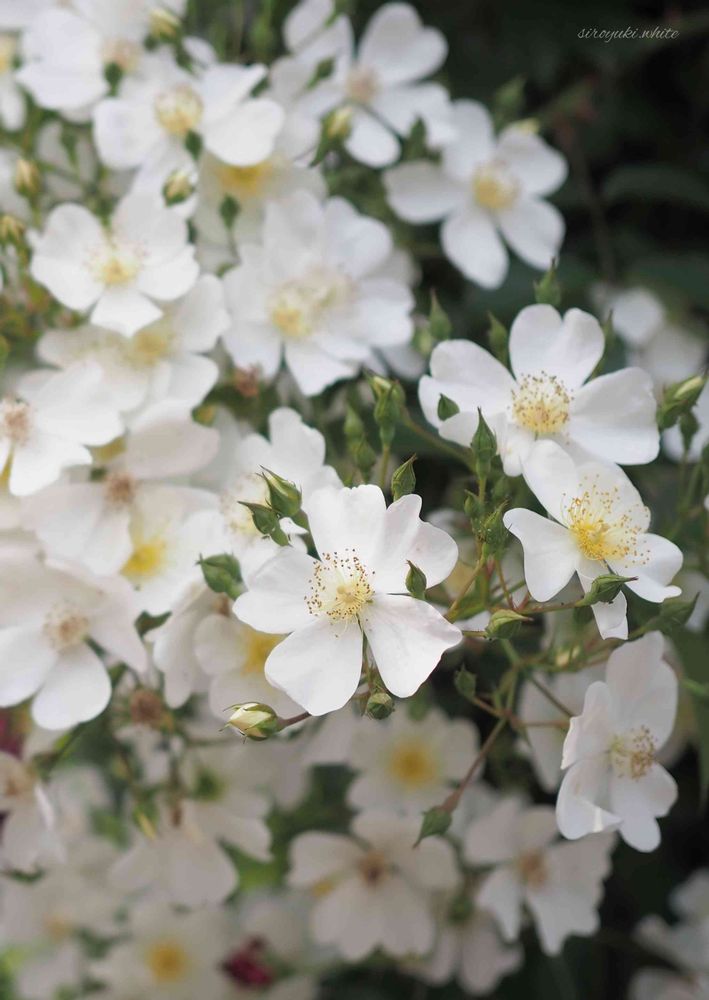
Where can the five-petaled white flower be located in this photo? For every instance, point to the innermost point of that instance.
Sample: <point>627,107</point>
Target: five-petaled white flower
<point>610,418</point>
<point>613,779</point>
<point>599,526</point>
<point>354,590</point>
<point>485,186</point>
<point>124,271</point>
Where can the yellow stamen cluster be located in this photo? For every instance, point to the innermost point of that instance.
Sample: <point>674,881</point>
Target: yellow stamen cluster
<point>493,187</point>
<point>412,764</point>
<point>245,182</point>
<point>298,305</point>
<point>151,344</point>
<point>120,489</point>
<point>167,961</point>
<point>340,587</point>
<point>532,869</point>
<point>65,626</point>
<point>146,560</point>
<point>541,403</point>
<point>633,754</point>
<point>179,110</point>
<point>603,531</point>
<point>116,264</point>
<point>361,85</point>
<point>373,867</point>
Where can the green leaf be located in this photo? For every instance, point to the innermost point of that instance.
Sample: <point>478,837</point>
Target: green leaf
<point>692,651</point>
<point>435,821</point>
<point>657,183</point>
<point>403,480</point>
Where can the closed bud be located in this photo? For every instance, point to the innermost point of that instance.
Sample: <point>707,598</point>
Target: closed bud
<point>323,69</point>
<point>474,508</point>
<point>403,481</point>
<point>229,209</point>
<point>465,683</point>
<point>165,25</point>
<point>547,290</point>
<point>498,337</point>
<point>484,446</point>
<point>416,581</point>
<point>673,614</point>
<point>447,407</point>
<point>255,720</point>
<point>435,822</point>
<point>363,455</point>
<point>222,574</point>
<point>27,178</point>
<point>12,231</point>
<point>353,426</point>
<point>688,427</point>
<point>338,124</point>
<point>508,101</point>
<point>285,497</point>
<point>379,705</point>
<point>505,624</point>
<point>679,399</point>
<point>178,187</point>
<point>439,325</point>
<point>604,589</point>
<point>146,708</point>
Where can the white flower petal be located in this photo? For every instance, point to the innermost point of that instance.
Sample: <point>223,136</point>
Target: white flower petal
<point>470,240</point>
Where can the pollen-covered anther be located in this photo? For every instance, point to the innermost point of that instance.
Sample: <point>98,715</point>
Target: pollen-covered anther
<point>65,626</point>
<point>602,531</point>
<point>373,867</point>
<point>361,85</point>
<point>532,869</point>
<point>340,587</point>
<point>298,305</point>
<point>14,420</point>
<point>541,403</point>
<point>633,754</point>
<point>179,110</point>
<point>120,489</point>
<point>116,265</point>
<point>493,187</point>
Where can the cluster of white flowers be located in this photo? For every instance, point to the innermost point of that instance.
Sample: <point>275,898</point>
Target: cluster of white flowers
<point>203,548</point>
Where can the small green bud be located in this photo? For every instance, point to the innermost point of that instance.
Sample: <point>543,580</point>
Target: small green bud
<point>604,589</point>
<point>27,178</point>
<point>193,145</point>
<point>285,497</point>
<point>508,101</point>
<point>323,69</point>
<point>439,325</point>
<point>178,187</point>
<point>338,124</point>
<point>113,74</point>
<point>673,614</point>
<point>229,210</point>
<point>465,683</point>
<point>484,446</point>
<point>255,720</point>
<point>165,25</point>
<point>379,705</point>
<point>679,399</point>
<point>505,624</point>
<point>416,581</point>
<point>12,231</point>
<point>363,455</point>
<point>435,822</point>
<point>688,427</point>
<point>498,336</point>
<point>415,142</point>
<point>353,425</point>
<point>266,521</point>
<point>447,407</point>
<point>547,290</point>
<point>222,574</point>
<point>403,481</point>
<point>474,508</point>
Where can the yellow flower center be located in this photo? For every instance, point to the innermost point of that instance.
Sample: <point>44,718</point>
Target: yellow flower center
<point>57,927</point>
<point>298,305</point>
<point>493,187</point>
<point>65,626</point>
<point>14,420</point>
<point>168,961</point>
<point>340,587</point>
<point>8,47</point>
<point>116,265</point>
<point>259,646</point>
<point>532,869</point>
<point>361,85</point>
<point>541,403</point>
<point>151,344</point>
<point>245,182</point>
<point>179,110</point>
<point>633,754</point>
<point>121,52</point>
<point>146,560</point>
<point>120,489</point>
<point>600,530</point>
<point>373,867</point>
<point>413,765</point>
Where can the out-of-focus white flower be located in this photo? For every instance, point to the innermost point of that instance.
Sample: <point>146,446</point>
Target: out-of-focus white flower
<point>45,428</point>
<point>66,50</point>
<point>600,525</point>
<point>409,765</point>
<point>123,272</point>
<point>485,186</point>
<point>48,618</point>
<point>375,891</point>
<point>171,955</point>
<point>613,780</point>
<point>27,836</point>
<point>163,359</point>
<point>93,522</point>
<point>12,103</point>
<point>672,441</point>
<point>560,885</point>
<point>313,290</point>
<point>355,589</point>
<point>610,418</point>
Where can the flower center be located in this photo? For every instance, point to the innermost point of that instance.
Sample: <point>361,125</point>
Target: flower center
<point>15,420</point>
<point>147,558</point>
<point>633,754</point>
<point>8,47</point>
<point>65,626</point>
<point>494,187</point>
<point>600,530</point>
<point>121,52</point>
<point>151,344</point>
<point>340,587</point>
<point>259,646</point>
<point>57,926</point>
<point>373,867</point>
<point>361,85</point>
<point>298,305</point>
<point>541,403</point>
<point>412,765</point>
<point>532,869</point>
<point>179,110</point>
<point>168,961</point>
<point>116,264</point>
<point>245,182</point>
<point>120,489</point>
